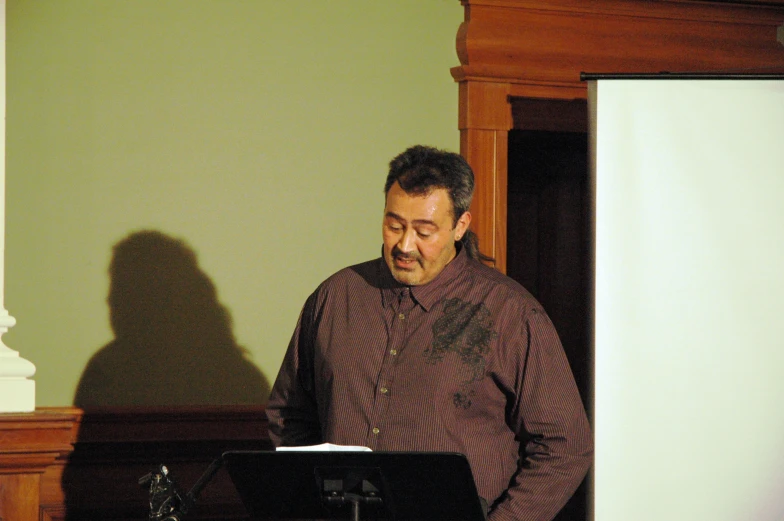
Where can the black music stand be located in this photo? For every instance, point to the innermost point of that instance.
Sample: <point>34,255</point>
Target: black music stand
<point>401,486</point>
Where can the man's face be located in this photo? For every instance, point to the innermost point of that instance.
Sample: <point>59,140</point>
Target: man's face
<point>419,236</point>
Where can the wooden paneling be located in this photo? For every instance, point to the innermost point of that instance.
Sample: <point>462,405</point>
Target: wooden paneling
<point>19,496</point>
<point>553,41</point>
<point>485,150</point>
<point>550,115</point>
<point>537,49</point>
<point>113,448</point>
<point>484,121</point>
<point>30,444</point>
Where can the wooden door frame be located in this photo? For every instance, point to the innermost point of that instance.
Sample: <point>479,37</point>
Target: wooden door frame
<point>539,48</point>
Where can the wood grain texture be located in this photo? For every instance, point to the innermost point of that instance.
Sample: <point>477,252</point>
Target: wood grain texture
<point>114,447</point>
<point>485,151</point>
<point>30,443</point>
<point>19,497</point>
<point>537,49</point>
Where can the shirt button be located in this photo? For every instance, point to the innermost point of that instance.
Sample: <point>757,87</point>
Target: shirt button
<point>384,390</point>
<point>375,430</point>
<point>401,316</point>
<point>393,352</point>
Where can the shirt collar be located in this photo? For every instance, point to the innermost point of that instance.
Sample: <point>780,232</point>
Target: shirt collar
<point>425,295</point>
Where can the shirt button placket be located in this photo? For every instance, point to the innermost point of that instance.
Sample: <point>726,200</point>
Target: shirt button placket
<point>397,335</point>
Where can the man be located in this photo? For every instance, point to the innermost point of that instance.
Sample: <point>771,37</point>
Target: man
<point>428,349</point>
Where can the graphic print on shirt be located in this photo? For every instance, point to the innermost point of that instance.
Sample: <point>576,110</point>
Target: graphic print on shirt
<point>466,330</point>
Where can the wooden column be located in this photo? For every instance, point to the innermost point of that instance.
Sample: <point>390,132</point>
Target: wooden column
<point>485,118</point>
<point>29,444</point>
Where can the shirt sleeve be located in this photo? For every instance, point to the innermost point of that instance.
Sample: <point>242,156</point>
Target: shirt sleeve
<point>292,410</point>
<point>549,419</point>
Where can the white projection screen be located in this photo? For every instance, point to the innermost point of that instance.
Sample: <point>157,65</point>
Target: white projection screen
<point>689,299</point>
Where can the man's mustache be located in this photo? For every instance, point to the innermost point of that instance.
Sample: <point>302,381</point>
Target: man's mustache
<point>399,254</point>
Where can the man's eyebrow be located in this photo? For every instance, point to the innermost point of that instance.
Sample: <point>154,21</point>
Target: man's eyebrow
<point>415,222</point>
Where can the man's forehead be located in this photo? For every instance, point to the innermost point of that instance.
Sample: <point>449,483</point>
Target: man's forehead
<point>434,196</point>
<point>418,191</point>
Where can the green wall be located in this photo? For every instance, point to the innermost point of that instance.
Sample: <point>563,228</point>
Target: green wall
<point>253,134</point>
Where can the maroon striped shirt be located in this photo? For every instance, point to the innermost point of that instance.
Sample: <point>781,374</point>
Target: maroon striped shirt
<point>468,363</point>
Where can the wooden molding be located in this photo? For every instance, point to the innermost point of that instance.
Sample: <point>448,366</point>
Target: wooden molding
<point>30,444</point>
<point>527,41</point>
<point>484,105</point>
<point>52,513</point>
<point>114,447</point>
<point>537,49</point>
<point>551,42</point>
<point>166,424</point>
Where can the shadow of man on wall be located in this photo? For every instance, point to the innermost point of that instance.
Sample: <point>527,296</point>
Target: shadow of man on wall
<point>173,343</point>
<point>172,387</point>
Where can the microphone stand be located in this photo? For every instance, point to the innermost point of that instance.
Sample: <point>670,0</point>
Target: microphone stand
<point>166,503</point>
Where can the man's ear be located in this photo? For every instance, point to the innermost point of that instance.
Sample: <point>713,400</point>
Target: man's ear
<point>462,225</point>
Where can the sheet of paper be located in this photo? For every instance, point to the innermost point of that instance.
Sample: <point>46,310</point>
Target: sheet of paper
<point>325,447</point>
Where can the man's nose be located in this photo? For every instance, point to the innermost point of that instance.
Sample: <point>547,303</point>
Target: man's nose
<point>407,241</point>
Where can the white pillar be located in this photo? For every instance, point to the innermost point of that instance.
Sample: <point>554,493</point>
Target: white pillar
<point>17,390</point>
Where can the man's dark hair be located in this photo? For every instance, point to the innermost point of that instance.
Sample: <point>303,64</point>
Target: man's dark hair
<point>421,169</point>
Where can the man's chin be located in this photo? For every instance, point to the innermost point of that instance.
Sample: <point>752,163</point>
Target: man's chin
<point>407,276</point>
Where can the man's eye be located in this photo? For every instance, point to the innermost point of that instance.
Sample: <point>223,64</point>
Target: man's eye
<point>424,235</point>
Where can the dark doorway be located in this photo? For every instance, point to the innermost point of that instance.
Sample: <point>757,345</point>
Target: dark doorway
<point>549,245</point>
